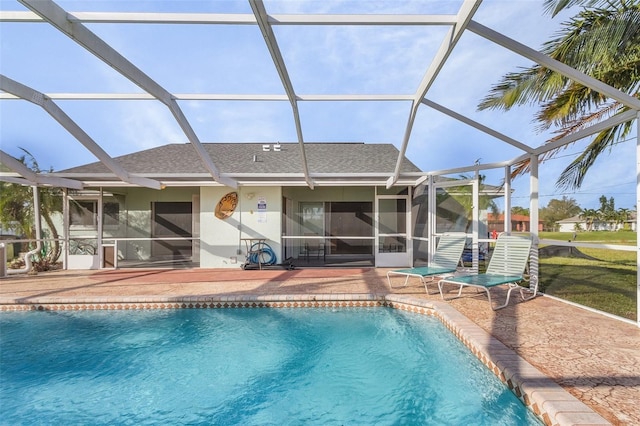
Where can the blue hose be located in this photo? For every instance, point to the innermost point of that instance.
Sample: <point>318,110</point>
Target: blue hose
<point>262,253</point>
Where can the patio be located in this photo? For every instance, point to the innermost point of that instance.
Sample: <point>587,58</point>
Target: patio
<point>593,357</point>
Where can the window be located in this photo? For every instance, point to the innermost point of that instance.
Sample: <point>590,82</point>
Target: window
<point>312,218</point>
<point>111,213</point>
<point>84,214</point>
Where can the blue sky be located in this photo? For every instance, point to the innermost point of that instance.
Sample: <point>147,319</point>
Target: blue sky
<point>320,60</point>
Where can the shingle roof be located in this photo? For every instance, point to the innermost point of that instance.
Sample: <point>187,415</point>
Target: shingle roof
<point>250,158</point>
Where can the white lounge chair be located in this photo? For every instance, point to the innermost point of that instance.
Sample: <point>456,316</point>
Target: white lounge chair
<point>445,261</point>
<point>506,267</point>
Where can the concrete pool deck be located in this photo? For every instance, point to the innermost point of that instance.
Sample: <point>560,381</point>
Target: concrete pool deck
<point>594,358</point>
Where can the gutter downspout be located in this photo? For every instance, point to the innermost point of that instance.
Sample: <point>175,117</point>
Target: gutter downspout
<point>27,256</point>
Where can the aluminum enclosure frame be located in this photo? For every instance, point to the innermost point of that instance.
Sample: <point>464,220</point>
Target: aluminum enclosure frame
<point>73,24</point>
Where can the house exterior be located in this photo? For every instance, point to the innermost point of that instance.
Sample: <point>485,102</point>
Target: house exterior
<point>348,216</point>
<point>519,223</point>
<point>574,223</point>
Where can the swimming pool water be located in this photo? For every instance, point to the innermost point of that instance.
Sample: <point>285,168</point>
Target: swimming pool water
<point>360,366</point>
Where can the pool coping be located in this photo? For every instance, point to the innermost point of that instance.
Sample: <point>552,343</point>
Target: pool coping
<point>545,398</point>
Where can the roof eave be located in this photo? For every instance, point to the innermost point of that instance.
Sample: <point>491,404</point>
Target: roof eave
<point>246,179</point>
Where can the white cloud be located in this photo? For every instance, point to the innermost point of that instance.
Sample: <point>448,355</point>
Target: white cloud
<point>240,121</point>
<point>144,125</point>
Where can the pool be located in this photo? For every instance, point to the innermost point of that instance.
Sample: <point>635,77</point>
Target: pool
<point>245,366</point>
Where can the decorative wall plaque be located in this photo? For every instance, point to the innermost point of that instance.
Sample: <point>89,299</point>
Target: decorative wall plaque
<point>226,206</point>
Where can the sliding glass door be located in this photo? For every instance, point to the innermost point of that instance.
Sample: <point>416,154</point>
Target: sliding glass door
<point>335,232</point>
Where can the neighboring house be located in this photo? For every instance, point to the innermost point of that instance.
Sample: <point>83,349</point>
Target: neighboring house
<point>519,223</point>
<point>196,218</point>
<point>572,223</point>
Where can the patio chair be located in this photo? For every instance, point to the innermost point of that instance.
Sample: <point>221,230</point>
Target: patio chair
<point>506,267</point>
<point>314,249</point>
<point>445,261</point>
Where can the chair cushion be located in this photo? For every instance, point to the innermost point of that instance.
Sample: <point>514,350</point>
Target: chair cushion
<point>486,280</point>
<point>425,271</point>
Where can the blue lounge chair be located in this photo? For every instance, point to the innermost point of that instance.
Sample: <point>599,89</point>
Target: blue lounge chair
<point>445,261</point>
<point>506,266</point>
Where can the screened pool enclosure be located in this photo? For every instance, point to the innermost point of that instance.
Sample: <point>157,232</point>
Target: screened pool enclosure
<point>125,77</point>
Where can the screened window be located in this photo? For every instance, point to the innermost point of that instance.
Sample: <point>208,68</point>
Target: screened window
<point>84,214</point>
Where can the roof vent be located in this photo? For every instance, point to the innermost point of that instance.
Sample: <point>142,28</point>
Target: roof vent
<point>266,147</point>
<point>276,147</point>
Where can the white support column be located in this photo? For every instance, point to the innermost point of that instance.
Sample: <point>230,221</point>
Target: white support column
<point>37,216</point>
<point>475,222</point>
<point>410,226</point>
<point>638,216</point>
<point>533,221</point>
<point>507,200</point>
<point>100,228</point>
<point>431,216</point>
<point>65,227</point>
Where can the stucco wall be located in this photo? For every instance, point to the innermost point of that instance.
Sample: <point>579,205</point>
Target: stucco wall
<point>221,245</point>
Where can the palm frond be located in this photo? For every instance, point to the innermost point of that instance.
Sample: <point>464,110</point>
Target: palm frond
<point>572,104</point>
<point>598,40</point>
<point>573,175</point>
<point>603,41</point>
<point>608,138</point>
<point>554,7</point>
<point>588,120</point>
<point>531,86</point>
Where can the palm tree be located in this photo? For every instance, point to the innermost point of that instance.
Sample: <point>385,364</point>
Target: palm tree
<point>603,41</point>
<point>623,216</point>
<point>589,216</point>
<point>16,211</point>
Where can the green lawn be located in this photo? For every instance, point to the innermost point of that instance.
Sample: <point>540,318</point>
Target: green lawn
<point>605,237</point>
<point>602,279</point>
